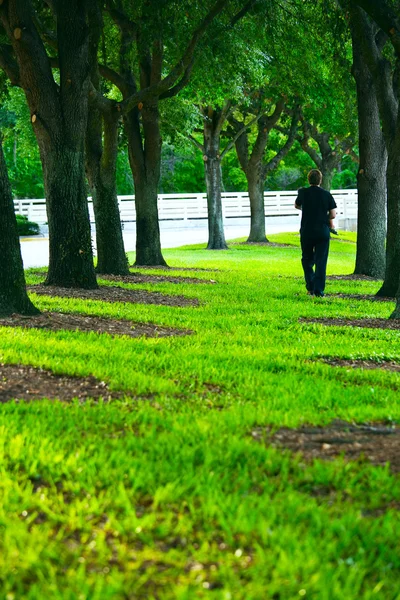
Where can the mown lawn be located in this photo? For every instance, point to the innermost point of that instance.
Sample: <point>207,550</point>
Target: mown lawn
<point>165,494</point>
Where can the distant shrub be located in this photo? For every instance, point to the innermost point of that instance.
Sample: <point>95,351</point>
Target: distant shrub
<point>26,227</point>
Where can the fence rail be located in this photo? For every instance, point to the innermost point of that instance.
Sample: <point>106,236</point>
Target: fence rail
<point>193,207</point>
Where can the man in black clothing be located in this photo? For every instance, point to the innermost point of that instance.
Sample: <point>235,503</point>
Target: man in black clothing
<point>318,209</point>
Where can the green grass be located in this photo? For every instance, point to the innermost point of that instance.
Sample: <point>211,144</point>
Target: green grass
<point>165,494</point>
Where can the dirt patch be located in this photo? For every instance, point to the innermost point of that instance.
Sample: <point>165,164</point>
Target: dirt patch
<point>142,278</point>
<point>369,297</point>
<point>373,442</point>
<point>352,277</point>
<point>114,294</point>
<point>387,365</point>
<point>174,268</point>
<point>75,322</point>
<point>266,244</point>
<point>369,323</point>
<point>20,382</point>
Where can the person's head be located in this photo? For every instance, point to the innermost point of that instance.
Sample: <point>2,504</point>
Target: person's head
<point>315,177</point>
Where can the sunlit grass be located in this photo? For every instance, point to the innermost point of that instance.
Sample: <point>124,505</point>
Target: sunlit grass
<point>169,496</point>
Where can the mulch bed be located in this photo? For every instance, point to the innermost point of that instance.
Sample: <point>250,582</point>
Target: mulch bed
<point>142,278</point>
<point>369,297</point>
<point>75,322</point>
<point>374,442</point>
<point>19,382</point>
<point>359,363</point>
<point>114,294</point>
<point>352,277</point>
<point>369,323</point>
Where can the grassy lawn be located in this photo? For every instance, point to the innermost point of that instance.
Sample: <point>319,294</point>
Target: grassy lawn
<point>165,494</point>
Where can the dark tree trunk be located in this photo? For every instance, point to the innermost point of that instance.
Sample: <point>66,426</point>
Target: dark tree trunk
<point>255,182</point>
<point>213,174</point>
<point>13,296</point>
<point>392,272</point>
<point>59,116</point>
<point>371,178</point>
<point>386,89</point>
<point>101,169</point>
<point>70,243</point>
<point>145,162</point>
<point>327,176</point>
<point>101,162</point>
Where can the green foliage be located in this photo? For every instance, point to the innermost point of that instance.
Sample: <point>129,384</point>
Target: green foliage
<point>20,147</point>
<point>26,227</point>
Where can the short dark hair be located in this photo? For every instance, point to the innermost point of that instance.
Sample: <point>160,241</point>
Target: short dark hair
<point>315,177</point>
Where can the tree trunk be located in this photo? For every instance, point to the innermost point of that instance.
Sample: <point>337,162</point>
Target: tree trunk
<point>327,177</point>
<point>371,178</point>
<point>257,209</point>
<point>392,272</point>
<point>13,296</point>
<point>145,162</point>
<point>70,243</point>
<point>59,112</point>
<point>213,175</point>
<point>101,169</point>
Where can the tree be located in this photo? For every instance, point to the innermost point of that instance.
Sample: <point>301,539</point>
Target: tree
<point>253,161</point>
<point>151,59</point>
<point>59,118</point>
<point>383,69</point>
<point>101,163</point>
<point>13,296</point>
<point>371,178</point>
<point>331,149</point>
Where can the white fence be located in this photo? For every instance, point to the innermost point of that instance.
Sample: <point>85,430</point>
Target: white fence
<point>193,207</point>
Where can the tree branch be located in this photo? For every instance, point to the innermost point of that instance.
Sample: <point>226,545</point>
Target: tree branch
<point>196,143</point>
<point>238,134</point>
<point>274,162</point>
<point>9,64</point>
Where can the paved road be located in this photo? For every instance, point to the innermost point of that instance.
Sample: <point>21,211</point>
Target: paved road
<point>35,251</point>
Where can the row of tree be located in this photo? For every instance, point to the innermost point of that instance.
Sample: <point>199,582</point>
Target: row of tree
<point>231,70</point>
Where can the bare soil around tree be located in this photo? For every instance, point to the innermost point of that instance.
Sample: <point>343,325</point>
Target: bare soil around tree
<point>22,382</point>
<point>107,293</point>
<point>52,321</point>
<point>392,324</point>
<point>376,443</point>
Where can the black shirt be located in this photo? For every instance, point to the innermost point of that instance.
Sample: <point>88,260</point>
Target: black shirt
<point>315,203</point>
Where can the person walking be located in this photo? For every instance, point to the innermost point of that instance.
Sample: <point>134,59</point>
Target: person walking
<point>318,211</point>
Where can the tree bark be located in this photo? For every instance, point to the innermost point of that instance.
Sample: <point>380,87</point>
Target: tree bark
<point>213,121</point>
<point>101,166</point>
<point>70,243</point>
<point>371,178</point>
<point>145,162</point>
<point>392,272</point>
<point>59,117</point>
<point>386,89</point>
<point>13,296</point>
<point>327,176</point>
<point>255,184</point>
<point>101,162</point>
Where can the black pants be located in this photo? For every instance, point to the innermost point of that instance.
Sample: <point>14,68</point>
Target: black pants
<point>315,251</point>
